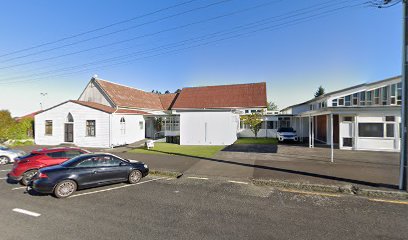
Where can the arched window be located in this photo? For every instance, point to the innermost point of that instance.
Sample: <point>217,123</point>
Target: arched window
<point>122,126</point>
<point>70,119</point>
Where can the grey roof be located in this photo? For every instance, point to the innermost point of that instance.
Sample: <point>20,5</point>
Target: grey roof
<point>342,90</point>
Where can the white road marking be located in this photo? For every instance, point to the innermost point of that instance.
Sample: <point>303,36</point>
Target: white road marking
<point>16,188</point>
<point>201,178</point>
<point>19,210</point>
<point>176,191</point>
<point>114,188</point>
<point>5,170</point>
<point>238,182</point>
<point>3,178</point>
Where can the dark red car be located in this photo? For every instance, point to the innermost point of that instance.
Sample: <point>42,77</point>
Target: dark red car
<point>27,166</point>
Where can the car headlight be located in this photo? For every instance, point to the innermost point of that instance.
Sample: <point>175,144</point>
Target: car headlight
<point>145,166</point>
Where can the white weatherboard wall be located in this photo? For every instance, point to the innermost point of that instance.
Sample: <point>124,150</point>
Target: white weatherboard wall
<point>80,113</point>
<point>132,131</point>
<point>208,128</point>
<point>374,143</point>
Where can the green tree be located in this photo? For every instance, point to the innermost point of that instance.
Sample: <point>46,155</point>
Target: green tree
<point>319,92</point>
<point>272,106</point>
<point>254,121</point>
<point>6,122</point>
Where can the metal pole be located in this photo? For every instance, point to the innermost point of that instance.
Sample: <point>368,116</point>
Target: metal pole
<point>313,129</point>
<point>404,109</point>
<point>331,138</point>
<point>310,133</point>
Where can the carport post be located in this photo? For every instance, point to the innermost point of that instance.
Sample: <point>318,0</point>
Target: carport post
<point>331,137</point>
<point>313,127</point>
<point>310,133</point>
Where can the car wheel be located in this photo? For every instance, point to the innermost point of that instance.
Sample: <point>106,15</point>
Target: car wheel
<point>65,189</point>
<point>27,176</point>
<point>4,160</point>
<point>135,176</point>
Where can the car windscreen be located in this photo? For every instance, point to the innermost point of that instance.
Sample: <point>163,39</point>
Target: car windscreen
<point>4,148</point>
<point>286,130</point>
<point>30,155</point>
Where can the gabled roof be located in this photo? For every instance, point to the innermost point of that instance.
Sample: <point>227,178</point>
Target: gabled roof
<point>343,90</point>
<point>123,96</point>
<point>96,106</point>
<point>101,107</point>
<point>167,100</point>
<point>223,96</point>
<point>31,115</point>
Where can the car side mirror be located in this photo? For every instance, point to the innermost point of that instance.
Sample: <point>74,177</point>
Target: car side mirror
<point>123,164</point>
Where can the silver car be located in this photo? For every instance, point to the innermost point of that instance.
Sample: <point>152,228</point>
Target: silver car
<point>8,155</point>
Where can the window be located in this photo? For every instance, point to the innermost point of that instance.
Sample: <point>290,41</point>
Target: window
<point>122,126</point>
<point>348,119</point>
<point>347,142</point>
<point>377,96</point>
<point>70,119</point>
<point>284,122</point>
<point>371,130</point>
<point>393,94</point>
<point>355,99</point>
<point>107,161</point>
<point>90,128</point>
<point>141,125</point>
<point>390,118</point>
<point>390,130</point>
<point>72,153</point>
<point>334,102</point>
<point>385,95</point>
<point>246,111</point>
<point>362,98</point>
<point>56,154</point>
<point>48,127</point>
<point>272,124</point>
<point>90,162</point>
<point>269,125</point>
<point>347,100</point>
<point>341,101</point>
<point>399,93</point>
<point>369,97</point>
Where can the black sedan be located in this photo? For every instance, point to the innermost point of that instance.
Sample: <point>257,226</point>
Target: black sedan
<point>86,171</point>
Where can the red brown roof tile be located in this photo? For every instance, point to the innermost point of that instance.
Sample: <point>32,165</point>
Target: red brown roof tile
<point>96,106</point>
<point>167,100</point>
<point>130,111</point>
<point>225,96</point>
<point>123,96</point>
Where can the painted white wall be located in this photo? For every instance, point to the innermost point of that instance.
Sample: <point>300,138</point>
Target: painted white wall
<point>80,114</point>
<point>132,131</point>
<point>208,128</point>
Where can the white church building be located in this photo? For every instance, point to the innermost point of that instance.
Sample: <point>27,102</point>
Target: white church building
<point>108,114</point>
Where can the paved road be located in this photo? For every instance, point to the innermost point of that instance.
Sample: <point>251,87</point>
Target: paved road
<point>189,208</point>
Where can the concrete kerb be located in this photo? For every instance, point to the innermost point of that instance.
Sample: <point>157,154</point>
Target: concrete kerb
<point>343,189</point>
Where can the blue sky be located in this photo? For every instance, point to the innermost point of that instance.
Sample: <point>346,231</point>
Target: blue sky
<point>338,49</point>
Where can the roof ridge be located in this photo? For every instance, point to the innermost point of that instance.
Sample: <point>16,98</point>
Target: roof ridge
<point>221,85</point>
<point>99,79</point>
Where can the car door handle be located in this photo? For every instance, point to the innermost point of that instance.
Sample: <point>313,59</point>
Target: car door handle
<point>94,172</point>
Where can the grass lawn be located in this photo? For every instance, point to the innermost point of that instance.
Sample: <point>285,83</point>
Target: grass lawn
<point>256,141</point>
<point>170,148</point>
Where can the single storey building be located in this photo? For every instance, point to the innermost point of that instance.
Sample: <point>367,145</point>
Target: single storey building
<point>108,114</point>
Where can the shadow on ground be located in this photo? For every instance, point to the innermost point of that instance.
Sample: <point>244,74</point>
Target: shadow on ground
<point>296,172</point>
<point>254,148</point>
